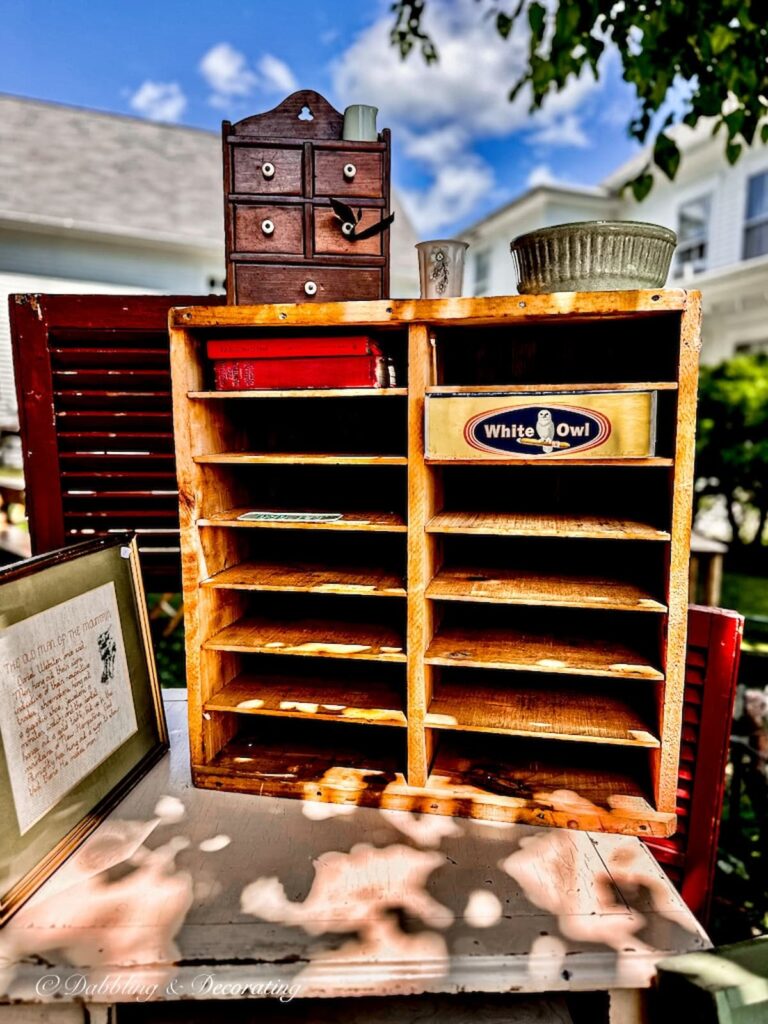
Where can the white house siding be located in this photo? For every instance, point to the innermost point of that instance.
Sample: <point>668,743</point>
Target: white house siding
<point>734,290</point>
<point>111,261</point>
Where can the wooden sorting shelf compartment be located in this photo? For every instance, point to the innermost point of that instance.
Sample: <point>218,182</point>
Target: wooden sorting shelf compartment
<point>597,711</point>
<point>310,760</point>
<point>356,694</point>
<point>301,577</point>
<point>530,613</point>
<point>305,393</point>
<point>550,572</point>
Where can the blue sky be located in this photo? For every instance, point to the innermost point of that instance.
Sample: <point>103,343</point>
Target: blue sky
<point>460,149</point>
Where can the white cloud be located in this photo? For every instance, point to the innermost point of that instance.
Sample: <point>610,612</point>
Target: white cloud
<point>441,111</point>
<point>226,71</point>
<point>159,101</point>
<point>231,78</point>
<point>540,175</point>
<point>567,131</point>
<point>452,196</point>
<point>276,76</point>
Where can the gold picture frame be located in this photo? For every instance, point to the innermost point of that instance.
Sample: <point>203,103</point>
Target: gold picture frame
<point>74,631</point>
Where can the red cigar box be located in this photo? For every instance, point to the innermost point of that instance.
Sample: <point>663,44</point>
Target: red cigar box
<point>244,364</point>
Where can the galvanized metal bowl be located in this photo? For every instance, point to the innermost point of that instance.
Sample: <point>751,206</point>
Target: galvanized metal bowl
<point>592,256</point>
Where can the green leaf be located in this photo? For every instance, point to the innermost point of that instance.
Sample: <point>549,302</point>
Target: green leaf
<point>542,73</point>
<point>666,155</point>
<point>734,122</point>
<point>720,38</point>
<point>764,133</point>
<point>537,17</point>
<point>733,152</point>
<point>503,24</point>
<point>641,186</point>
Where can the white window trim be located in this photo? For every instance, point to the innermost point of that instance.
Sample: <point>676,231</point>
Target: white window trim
<point>683,267</point>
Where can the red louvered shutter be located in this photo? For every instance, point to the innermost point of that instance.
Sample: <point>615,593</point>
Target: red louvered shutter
<point>94,393</point>
<point>711,672</point>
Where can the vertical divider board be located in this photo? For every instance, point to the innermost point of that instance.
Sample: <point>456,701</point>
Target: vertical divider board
<point>495,727</point>
<point>422,498</point>
<point>681,484</point>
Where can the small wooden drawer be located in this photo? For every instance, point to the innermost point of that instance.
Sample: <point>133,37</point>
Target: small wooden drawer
<point>269,229</point>
<point>255,283</point>
<point>261,170</point>
<point>348,173</point>
<point>330,239</point>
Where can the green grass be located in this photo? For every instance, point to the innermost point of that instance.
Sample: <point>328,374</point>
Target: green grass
<point>745,594</point>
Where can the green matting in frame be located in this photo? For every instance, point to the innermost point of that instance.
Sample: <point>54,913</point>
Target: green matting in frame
<point>81,717</point>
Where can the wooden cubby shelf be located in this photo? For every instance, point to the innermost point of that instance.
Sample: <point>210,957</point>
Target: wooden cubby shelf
<point>559,712</point>
<point>309,578</point>
<point>516,461</point>
<point>306,393</point>
<point>517,640</point>
<point>479,389</point>
<point>315,638</point>
<point>533,524</point>
<point>363,702</point>
<point>386,522</point>
<point>519,650</point>
<point>298,459</point>
<point>528,587</point>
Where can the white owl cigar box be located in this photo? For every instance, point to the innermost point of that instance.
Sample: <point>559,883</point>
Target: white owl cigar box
<point>506,425</point>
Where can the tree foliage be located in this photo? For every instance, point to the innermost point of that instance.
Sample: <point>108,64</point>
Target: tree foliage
<point>732,444</point>
<point>718,47</point>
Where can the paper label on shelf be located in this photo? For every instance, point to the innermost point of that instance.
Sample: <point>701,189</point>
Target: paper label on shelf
<point>291,517</point>
<point>618,424</point>
<point>66,702</point>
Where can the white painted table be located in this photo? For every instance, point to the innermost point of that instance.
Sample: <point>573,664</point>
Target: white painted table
<point>186,893</point>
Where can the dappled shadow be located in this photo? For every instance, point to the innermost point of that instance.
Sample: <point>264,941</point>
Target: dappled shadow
<point>344,899</point>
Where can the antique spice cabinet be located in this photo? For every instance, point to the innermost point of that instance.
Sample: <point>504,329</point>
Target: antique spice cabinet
<point>501,639</point>
<point>283,240</point>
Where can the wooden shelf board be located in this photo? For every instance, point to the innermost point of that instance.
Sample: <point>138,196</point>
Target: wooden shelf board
<point>524,586</point>
<point>542,784</point>
<point>297,767</point>
<point>535,524</point>
<point>557,712</point>
<point>516,389</point>
<point>305,393</point>
<point>363,521</point>
<point>318,638</point>
<point>297,459</point>
<point>308,578</point>
<point>551,461</point>
<point>525,651</point>
<point>496,311</point>
<point>470,777</point>
<point>365,702</point>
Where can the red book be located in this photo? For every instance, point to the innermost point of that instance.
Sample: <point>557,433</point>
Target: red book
<point>340,372</point>
<point>291,347</point>
<point>243,364</point>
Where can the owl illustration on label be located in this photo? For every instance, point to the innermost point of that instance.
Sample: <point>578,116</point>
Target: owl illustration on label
<point>545,429</point>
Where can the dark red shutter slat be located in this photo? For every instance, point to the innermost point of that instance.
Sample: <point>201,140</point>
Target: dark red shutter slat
<point>94,389</point>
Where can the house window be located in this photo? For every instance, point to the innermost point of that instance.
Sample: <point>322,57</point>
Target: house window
<point>693,236</point>
<point>751,348</point>
<point>756,221</point>
<point>482,271</point>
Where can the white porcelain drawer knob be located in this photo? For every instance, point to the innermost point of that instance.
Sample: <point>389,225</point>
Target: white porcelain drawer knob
<point>268,170</point>
<point>310,288</point>
<point>349,171</point>
<point>268,227</point>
